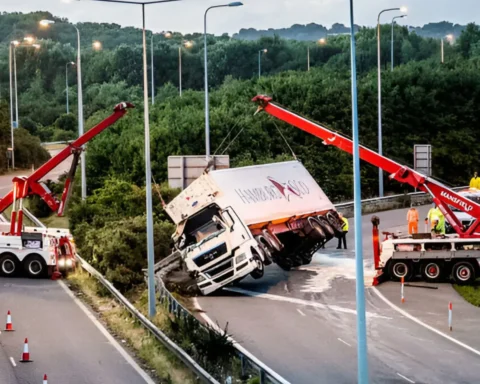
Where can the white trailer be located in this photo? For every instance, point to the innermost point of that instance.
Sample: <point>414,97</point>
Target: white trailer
<point>230,223</point>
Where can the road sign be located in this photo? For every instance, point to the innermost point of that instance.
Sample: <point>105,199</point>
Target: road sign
<point>422,158</point>
<point>183,170</point>
<point>14,124</point>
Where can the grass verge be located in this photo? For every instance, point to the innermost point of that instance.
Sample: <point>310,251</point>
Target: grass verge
<point>471,293</point>
<point>156,359</point>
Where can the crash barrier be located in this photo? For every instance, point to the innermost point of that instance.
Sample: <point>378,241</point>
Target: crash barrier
<point>57,142</point>
<point>386,203</point>
<point>250,366</point>
<point>204,376</point>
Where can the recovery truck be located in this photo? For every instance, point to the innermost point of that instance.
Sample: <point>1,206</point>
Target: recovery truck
<point>231,223</point>
<point>433,257</point>
<point>43,251</point>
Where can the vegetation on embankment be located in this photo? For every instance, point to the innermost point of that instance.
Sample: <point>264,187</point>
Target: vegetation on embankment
<point>471,293</point>
<point>167,368</point>
<point>212,350</point>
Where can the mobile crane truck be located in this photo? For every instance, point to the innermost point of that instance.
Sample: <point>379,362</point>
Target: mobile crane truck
<point>231,223</point>
<point>456,256</point>
<point>42,251</point>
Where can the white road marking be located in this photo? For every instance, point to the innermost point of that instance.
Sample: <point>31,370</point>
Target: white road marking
<point>420,322</point>
<point>13,362</point>
<point>300,312</point>
<point>343,341</point>
<point>302,302</point>
<point>109,337</point>
<point>215,326</point>
<point>406,378</point>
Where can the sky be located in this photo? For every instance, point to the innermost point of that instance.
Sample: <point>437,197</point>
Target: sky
<point>186,16</point>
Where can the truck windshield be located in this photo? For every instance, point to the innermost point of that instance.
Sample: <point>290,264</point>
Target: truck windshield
<point>201,226</point>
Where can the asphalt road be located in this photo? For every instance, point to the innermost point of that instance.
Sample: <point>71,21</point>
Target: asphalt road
<point>303,325</point>
<point>6,180</point>
<point>64,343</point>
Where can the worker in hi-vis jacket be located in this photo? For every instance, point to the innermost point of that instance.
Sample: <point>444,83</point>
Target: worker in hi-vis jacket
<point>412,219</point>
<point>475,181</point>
<point>343,235</point>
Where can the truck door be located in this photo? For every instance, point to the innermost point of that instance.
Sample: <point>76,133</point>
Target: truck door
<point>238,230</point>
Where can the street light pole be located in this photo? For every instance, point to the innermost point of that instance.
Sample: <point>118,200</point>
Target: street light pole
<point>441,51</point>
<point>260,61</point>
<point>11,102</point>
<point>180,69</point>
<point>66,83</point>
<point>207,114</point>
<point>362,352</point>
<point>152,69</point>
<point>391,49</point>
<point>380,150</point>
<point>15,82</point>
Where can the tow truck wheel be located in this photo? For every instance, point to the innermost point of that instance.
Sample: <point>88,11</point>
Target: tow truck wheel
<point>463,273</point>
<point>8,264</point>
<point>432,271</point>
<point>34,266</point>
<point>258,272</point>
<point>399,269</point>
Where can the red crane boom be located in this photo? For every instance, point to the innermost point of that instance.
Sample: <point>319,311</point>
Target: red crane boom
<point>30,185</point>
<point>442,195</point>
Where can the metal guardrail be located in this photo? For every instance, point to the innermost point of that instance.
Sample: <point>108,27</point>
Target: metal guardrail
<point>249,363</point>
<point>204,376</point>
<point>57,142</point>
<point>387,198</point>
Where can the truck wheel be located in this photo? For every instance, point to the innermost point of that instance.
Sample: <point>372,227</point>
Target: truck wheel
<point>258,272</point>
<point>265,248</point>
<point>432,271</point>
<point>327,228</point>
<point>35,266</point>
<point>335,222</point>
<point>463,273</point>
<point>285,264</point>
<point>273,241</point>
<point>8,265</point>
<point>400,268</point>
<point>317,231</point>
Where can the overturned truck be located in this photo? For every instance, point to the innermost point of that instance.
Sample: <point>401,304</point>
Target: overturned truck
<point>232,223</point>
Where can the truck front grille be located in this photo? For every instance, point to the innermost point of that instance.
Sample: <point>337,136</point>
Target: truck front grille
<point>210,255</point>
<point>219,268</point>
<point>223,277</point>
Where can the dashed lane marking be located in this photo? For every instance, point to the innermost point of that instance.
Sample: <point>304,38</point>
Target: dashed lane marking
<point>420,322</point>
<point>13,362</point>
<point>406,378</point>
<point>343,341</point>
<point>300,312</point>
<point>303,302</point>
<point>109,337</point>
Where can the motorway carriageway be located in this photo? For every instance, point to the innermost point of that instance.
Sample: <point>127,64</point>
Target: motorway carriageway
<point>302,323</point>
<point>66,341</point>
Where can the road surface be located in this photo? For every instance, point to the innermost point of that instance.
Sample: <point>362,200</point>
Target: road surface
<point>64,343</point>
<point>302,323</point>
<point>6,180</point>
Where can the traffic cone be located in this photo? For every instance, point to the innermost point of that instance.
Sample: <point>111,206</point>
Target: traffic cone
<point>25,355</point>
<point>45,379</point>
<point>9,326</point>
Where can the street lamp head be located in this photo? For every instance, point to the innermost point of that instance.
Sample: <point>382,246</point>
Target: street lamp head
<point>265,50</point>
<point>71,63</point>
<point>404,9</point>
<point>29,39</point>
<point>188,44</point>
<point>167,34</point>
<point>235,4</point>
<point>15,42</point>
<point>46,23</point>
<point>97,45</point>
<point>322,41</point>
<point>36,46</point>
<point>449,37</point>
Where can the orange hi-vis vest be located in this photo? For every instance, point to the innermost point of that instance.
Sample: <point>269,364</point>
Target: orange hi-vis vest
<point>412,215</point>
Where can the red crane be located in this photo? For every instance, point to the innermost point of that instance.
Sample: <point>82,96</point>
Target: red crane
<point>442,196</point>
<point>25,186</point>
